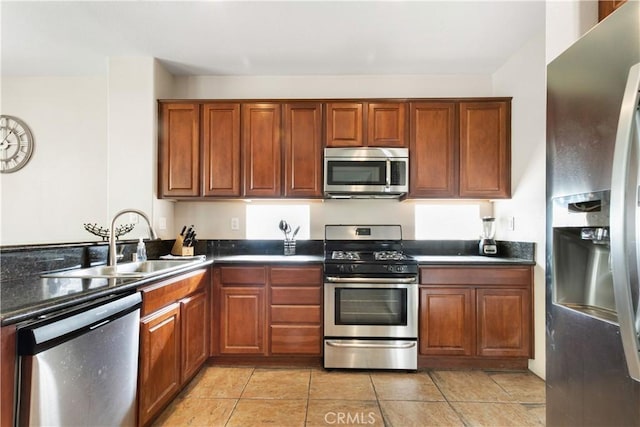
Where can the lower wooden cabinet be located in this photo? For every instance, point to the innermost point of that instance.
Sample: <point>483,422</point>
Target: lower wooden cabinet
<point>174,339</point>
<point>476,316</point>
<point>8,356</point>
<point>266,311</point>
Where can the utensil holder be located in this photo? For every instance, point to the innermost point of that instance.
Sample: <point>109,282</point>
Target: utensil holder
<point>179,250</point>
<point>289,247</point>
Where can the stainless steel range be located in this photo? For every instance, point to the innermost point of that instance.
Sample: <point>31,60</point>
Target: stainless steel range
<point>370,299</point>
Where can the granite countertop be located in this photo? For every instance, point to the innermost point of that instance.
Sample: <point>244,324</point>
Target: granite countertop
<point>229,259</point>
<point>471,259</point>
<point>34,296</point>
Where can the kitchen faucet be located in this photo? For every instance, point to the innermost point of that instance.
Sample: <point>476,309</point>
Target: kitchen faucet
<point>112,236</point>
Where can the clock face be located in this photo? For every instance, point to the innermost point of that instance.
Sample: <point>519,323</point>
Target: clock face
<point>16,144</point>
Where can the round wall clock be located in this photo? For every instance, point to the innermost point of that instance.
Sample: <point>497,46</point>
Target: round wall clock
<point>16,144</point>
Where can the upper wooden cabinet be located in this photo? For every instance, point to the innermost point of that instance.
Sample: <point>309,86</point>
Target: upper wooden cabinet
<point>261,149</point>
<point>221,149</point>
<point>460,149</point>
<point>303,149</point>
<point>485,149</point>
<point>179,150</point>
<point>374,124</point>
<point>386,124</point>
<point>433,150</point>
<point>606,7</point>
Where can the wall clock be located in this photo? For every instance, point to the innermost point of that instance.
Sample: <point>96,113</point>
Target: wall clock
<point>16,144</point>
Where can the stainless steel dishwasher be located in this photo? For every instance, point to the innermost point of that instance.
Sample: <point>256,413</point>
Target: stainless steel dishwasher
<point>80,367</point>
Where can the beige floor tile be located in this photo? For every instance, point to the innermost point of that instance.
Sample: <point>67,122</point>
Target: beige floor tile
<point>469,386</point>
<point>405,386</point>
<point>537,411</point>
<point>475,414</point>
<point>525,387</point>
<point>268,412</point>
<point>220,382</point>
<point>343,413</point>
<point>197,412</point>
<point>278,384</point>
<point>419,414</point>
<point>341,385</point>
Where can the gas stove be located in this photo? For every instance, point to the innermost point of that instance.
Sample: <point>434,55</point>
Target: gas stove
<point>366,250</point>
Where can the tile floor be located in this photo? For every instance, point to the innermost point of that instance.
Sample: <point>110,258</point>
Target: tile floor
<point>283,397</point>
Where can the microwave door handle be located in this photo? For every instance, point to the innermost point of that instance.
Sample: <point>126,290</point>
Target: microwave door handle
<point>624,221</point>
<point>388,179</point>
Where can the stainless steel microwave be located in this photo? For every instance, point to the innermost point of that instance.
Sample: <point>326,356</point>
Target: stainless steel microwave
<point>366,172</point>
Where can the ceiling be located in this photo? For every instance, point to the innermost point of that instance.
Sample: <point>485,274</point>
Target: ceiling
<point>267,37</point>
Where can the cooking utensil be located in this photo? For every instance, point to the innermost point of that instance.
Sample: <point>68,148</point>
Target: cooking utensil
<point>293,237</point>
<point>184,227</point>
<point>283,226</point>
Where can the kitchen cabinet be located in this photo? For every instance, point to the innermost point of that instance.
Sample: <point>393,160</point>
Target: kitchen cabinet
<point>266,311</point>
<point>261,149</point>
<point>460,149</point>
<point>173,339</point>
<point>8,352</point>
<point>179,150</point>
<point>478,316</point>
<point>303,149</point>
<point>433,150</point>
<point>240,323</point>
<point>374,124</point>
<point>607,7</point>
<point>295,310</point>
<point>221,149</point>
<point>485,149</point>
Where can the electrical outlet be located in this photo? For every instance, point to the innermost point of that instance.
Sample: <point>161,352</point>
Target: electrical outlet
<point>133,217</point>
<point>235,223</point>
<point>512,223</point>
<point>162,223</point>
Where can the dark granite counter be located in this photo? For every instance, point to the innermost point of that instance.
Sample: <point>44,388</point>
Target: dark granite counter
<point>269,259</point>
<point>471,260</point>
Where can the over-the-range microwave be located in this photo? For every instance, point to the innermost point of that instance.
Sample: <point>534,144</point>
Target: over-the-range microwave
<point>366,172</point>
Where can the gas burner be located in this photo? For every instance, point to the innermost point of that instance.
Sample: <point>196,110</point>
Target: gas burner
<point>346,255</point>
<point>388,255</point>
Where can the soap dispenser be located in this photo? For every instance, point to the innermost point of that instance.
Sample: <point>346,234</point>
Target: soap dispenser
<point>141,251</point>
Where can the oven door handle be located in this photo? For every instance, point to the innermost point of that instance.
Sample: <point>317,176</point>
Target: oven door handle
<point>408,344</point>
<point>391,280</point>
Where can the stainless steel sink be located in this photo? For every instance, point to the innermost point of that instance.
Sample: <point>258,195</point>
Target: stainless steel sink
<point>125,270</point>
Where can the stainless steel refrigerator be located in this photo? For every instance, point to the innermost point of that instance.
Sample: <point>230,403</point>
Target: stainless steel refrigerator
<point>593,224</point>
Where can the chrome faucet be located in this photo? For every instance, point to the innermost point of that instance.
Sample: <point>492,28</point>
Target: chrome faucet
<point>112,233</point>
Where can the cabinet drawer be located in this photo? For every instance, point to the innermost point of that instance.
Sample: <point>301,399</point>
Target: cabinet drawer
<point>295,314</point>
<point>243,275</point>
<point>296,276</point>
<point>463,275</point>
<point>168,291</point>
<point>304,339</point>
<point>293,296</point>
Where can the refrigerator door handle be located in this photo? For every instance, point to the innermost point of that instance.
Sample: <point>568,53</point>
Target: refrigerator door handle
<point>624,226</point>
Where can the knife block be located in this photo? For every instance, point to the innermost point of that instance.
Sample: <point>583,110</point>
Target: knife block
<point>180,250</point>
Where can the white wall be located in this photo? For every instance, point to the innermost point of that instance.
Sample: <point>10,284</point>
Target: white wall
<point>64,185</point>
<point>523,77</point>
<point>566,22</point>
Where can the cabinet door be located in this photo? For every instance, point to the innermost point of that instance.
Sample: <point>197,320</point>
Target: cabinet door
<point>446,321</point>
<point>485,152</point>
<point>8,369</point>
<point>261,149</point>
<point>195,341</point>
<point>159,361</point>
<point>179,153</point>
<point>433,150</point>
<point>303,149</point>
<point>607,7</point>
<point>242,320</point>
<point>221,149</point>
<point>344,124</point>
<point>386,124</point>
<point>503,322</point>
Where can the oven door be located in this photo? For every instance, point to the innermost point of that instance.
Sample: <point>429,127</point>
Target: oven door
<point>370,308</point>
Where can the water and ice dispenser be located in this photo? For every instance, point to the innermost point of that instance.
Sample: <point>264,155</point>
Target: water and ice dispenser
<point>582,277</point>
